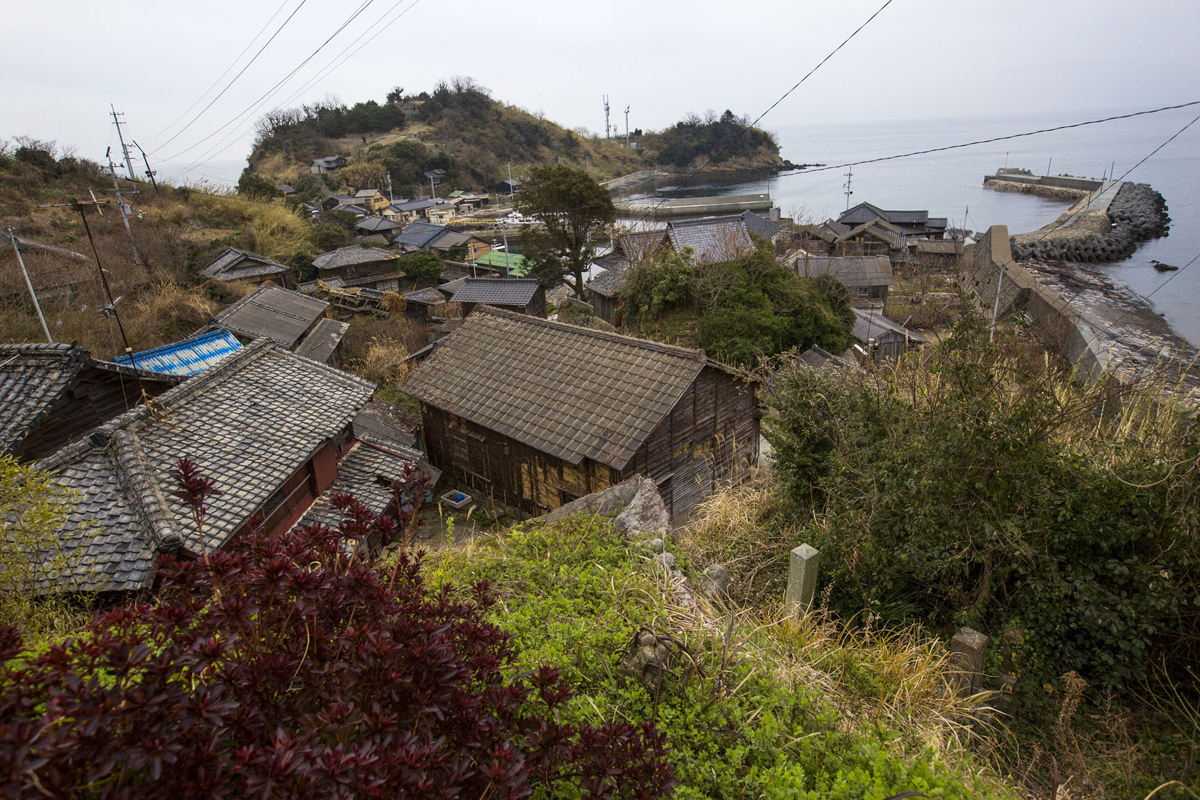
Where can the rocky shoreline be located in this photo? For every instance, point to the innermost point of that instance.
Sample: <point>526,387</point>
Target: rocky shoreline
<point>1136,214</point>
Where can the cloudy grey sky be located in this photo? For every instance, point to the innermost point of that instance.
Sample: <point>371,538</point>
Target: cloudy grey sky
<point>64,62</point>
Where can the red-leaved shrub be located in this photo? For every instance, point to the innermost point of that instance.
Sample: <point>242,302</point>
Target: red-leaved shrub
<point>286,667</point>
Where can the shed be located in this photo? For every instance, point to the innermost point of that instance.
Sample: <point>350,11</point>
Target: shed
<point>522,295</point>
<point>538,413</point>
<point>419,304</point>
<point>604,288</point>
<point>883,339</point>
<point>239,265</point>
<point>281,315</point>
<point>52,393</point>
<point>512,264</point>
<point>867,277</point>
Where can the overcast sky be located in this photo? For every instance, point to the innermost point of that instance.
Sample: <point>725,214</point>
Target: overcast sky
<point>64,62</point>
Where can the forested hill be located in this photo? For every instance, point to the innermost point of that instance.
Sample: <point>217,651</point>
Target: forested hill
<point>460,128</point>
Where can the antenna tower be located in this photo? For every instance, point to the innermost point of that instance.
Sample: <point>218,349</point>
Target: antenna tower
<point>607,128</point>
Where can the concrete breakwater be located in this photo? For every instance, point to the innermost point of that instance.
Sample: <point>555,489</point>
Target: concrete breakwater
<point>1136,214</point>
<point>1107,223</point>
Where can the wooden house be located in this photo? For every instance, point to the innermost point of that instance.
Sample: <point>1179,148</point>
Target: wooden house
<point>53,393</point>
<point>873,238</point>
<point>372,200</point>
<point>420,304</point>
<point>934,254</point>
<point>320,166</point>
<point>239,265</point>
<point>867,277</point>
<point>273,430</point>
<point>521,295</point>
<point>354,266</point>
<point>537,413</point>
<point>910,223</point>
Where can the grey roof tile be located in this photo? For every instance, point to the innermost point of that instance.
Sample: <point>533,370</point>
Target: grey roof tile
<point>249,423</point>
<point>571,392</point>
<point>497,291</point>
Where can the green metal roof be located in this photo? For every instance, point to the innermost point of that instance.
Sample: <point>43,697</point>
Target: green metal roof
<point>513,262</point>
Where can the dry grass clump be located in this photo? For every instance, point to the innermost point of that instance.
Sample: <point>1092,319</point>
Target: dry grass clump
<point>382,363</point>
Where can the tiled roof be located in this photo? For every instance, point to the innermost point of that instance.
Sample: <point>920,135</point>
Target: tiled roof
<point>324,339</point>
<point>35,377</point>
<point>384,422</point>
<point>366,472</point>
<point>426,297</point>
<point>865,212</point>
<point>608,282</point>
<point>189,357</point>
<point>249,423</point>
<point>280,315</point>
<point>497,291</point>
<point>884,231</point>
<point>759,225</point>
<point>376,224</point>
<point>419,234</point>
<point>345,256</point>
<point>366,193</point>
<point>714,239</point>
<point>852,271</point>
<point>32,378</point>
<point>573,393</point>
<point>235,264</point>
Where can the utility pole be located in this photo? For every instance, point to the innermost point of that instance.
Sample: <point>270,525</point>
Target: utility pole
<point>124,149</point>
<point>29,284</point>
<point>149,172</point>
<point>112,304</point>
<point>124,217</point>
<point>627,126</point>
<point>606,126</point>
<point>391,197</point>
<point>510,190</point>
<point>846,186</point>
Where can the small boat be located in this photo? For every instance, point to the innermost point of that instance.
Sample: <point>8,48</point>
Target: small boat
<point>1161,267</point>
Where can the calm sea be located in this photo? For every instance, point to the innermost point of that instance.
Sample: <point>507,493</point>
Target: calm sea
<point>950,184</point>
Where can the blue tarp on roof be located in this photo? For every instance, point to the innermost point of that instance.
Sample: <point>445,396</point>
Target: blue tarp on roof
<point>189,357</point>
<point>420,234</point>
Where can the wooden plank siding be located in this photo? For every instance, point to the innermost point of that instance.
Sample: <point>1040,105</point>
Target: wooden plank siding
<point>709,438</point>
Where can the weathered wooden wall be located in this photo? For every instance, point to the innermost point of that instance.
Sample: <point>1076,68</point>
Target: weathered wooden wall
<point>709,438</point>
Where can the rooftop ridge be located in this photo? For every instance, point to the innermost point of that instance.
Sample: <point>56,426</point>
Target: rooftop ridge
<point>134,471</point>
<point>670,349</point>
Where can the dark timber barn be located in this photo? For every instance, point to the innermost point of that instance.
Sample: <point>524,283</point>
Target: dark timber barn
<point>538,413</point>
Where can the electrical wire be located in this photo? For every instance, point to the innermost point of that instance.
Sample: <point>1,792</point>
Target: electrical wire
<point>241,72</point>
<point>249,109</point>
<point>331,66</point>
<point>221,77</point>
<point>758,119</point>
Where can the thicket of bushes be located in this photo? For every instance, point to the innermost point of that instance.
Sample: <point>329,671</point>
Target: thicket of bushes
<point>986,489</point>
<point>747,307</point>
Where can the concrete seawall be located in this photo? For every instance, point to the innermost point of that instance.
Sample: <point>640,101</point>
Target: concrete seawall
<point>1099,233</point>
<point>1096,323</point>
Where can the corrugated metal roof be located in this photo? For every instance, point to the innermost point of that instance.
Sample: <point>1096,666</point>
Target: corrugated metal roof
<point>513,262</point>
<point>235,264</point>
<point>353,254</point>
<point>420,234</point>
<point>188,357</point>
<point>868,326</point>
<point>324,339</point>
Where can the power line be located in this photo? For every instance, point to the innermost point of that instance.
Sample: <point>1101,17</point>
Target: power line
<point>1008,137</point>
<point>220,77</point>
<point>363,7</point>
<point>322,74</point>
<point>241,72</point>
<point>783,97</point>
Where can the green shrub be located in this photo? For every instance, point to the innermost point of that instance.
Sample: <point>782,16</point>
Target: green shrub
<point>990,491</point>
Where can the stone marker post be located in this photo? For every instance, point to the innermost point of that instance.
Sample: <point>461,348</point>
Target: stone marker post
<point>802,578</point>
<point>968,649</point>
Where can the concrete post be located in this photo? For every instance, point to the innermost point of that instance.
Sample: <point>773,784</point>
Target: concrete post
<point>968,650</point>
<point>802,578</point>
